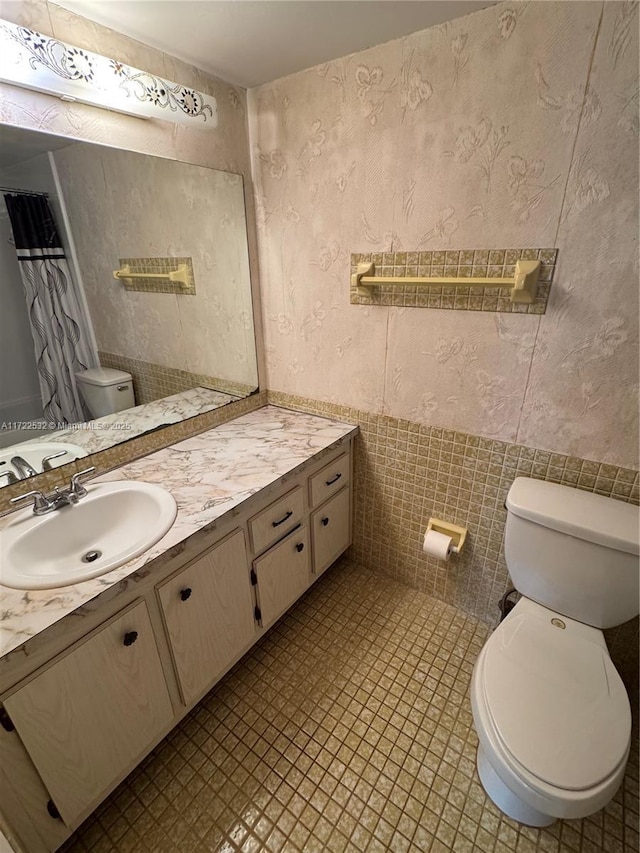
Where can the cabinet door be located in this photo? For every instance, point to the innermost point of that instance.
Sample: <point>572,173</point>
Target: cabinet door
<point>88,718</point>
<point>208,612</point>
<point>331,525</point>
<point>282,575</point>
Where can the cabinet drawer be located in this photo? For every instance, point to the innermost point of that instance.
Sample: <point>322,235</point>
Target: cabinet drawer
<point>276,520</point>
<point>89,716</point>
<point>282,575</point>
<point>331,526</point>
<point>208,613</point>
<point>330,479</point>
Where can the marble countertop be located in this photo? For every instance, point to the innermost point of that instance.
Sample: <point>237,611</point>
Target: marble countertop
<point>209,475</point>
<point>104,432</point>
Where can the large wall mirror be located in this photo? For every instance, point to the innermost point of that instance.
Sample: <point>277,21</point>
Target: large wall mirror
<point>125,297</point>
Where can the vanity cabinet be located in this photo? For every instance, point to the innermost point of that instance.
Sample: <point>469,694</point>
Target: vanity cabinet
<point>331,530</point>
<point>207,608</point>
<point>89,714</point>
<point>91,704</point>
<point>282,575</point>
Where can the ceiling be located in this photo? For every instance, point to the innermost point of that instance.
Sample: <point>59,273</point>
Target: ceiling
<point>250,42</point>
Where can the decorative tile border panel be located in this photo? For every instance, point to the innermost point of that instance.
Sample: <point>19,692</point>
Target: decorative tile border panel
<point>464,263</point>
<point>157,266</point>
<point>406,472</point>
<point>154,381</point>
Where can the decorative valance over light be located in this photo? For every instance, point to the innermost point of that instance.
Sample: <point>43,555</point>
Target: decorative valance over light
<point>35,61</point>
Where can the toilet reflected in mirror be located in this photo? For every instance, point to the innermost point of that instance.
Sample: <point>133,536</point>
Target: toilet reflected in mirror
<point>106,391</point>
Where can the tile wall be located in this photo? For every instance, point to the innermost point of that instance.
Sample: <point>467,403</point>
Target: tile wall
<point>466,263</point>
<point>406,472</point>
<point>154,381</point>
<point>156,266</point>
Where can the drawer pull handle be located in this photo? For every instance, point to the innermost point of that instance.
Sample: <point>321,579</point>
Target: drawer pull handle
<point>283,519</point>
<point>130,637</point>
<point>333,480</point>
<point>324,522</point>
<point>53,810</point>
<point>6,721</point>
<point>185,593</point>
<point>300,547</point>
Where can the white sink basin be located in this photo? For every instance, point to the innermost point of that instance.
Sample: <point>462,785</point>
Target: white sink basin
<point>118,521</point>
<point>35,451</point>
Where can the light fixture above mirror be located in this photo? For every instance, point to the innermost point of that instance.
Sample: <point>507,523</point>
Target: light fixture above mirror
<point>35,61</point>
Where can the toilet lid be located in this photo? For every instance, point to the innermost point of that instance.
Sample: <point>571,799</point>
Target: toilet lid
<point>556,701</point>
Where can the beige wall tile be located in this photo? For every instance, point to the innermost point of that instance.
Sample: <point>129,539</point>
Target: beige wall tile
<point>407,472</point>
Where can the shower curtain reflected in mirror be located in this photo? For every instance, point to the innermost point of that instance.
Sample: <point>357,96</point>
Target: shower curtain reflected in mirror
<point>59,327</point>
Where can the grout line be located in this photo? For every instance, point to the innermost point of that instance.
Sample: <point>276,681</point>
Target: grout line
<point>562,207</point>
<point>384,365</point>
<point>527,380</point>
<point>577,134</point>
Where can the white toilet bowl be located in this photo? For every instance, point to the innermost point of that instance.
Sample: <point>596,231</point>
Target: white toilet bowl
<point>552,716</point>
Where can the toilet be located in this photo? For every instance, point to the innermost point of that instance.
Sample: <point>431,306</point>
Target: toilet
<point>550,709</point>
<point>106,390</point>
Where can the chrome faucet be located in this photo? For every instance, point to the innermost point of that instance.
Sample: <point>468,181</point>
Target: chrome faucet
<point>11,477</point>
<point>46,460</point>
<point>23,468</point>
<point>43,504</point>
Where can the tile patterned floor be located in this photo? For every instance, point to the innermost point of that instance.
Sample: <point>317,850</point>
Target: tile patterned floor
<point>347,728</point>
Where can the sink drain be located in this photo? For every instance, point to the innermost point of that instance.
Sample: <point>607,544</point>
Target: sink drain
<point>91,556</point>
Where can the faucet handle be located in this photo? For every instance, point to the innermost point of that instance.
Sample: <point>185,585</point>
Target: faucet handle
<point>46,460</point>
<point>76,487</point>
<point>40,502</point>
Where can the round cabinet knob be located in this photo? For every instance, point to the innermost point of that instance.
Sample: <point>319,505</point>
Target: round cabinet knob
<point>324,522</point>
<point>300,547</point>
<point>185,593</point>
<point>130,637</point>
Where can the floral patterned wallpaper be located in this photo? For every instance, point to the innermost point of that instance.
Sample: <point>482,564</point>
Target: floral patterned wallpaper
<point>135,206</point>
<point>516,125</point>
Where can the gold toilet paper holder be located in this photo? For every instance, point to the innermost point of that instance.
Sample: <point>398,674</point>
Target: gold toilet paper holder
<point>458,534</point>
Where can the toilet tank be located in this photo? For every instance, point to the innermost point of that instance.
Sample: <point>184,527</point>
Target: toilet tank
<point>573,551</point>
<point>106,390</point>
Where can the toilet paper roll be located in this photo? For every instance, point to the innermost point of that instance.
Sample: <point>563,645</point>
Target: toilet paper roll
<point>437,545</point>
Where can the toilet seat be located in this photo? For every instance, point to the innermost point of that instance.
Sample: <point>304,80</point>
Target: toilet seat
<point>551,711</point>
<point>556,701</point>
